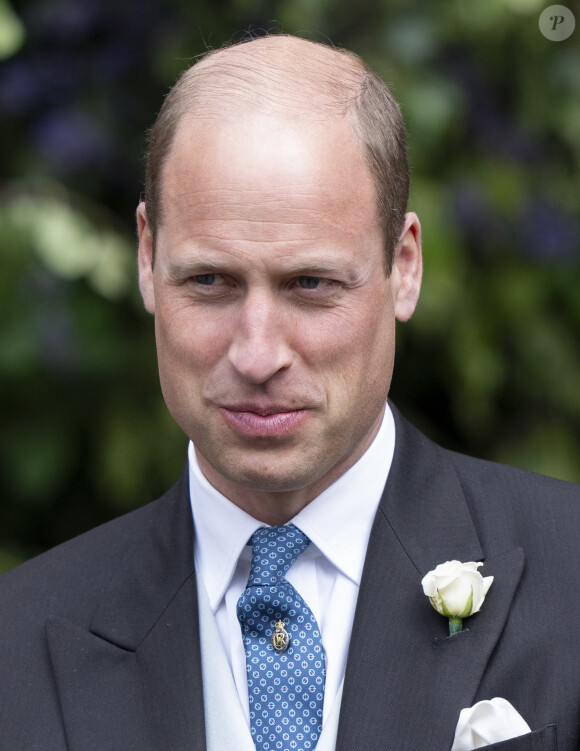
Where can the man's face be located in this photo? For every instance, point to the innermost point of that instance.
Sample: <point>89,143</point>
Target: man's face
<point>274,319</point>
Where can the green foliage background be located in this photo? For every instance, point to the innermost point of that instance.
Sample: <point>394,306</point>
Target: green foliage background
<point>489,365</point>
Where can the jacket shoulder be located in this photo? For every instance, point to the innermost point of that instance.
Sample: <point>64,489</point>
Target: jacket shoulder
<point>509,507</point>
<point>517,485</point>
<point>71,584</point>
<point>515,507</point>
<point>66,580</point>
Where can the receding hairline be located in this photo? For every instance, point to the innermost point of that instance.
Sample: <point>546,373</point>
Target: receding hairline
<point>284,75</point>
<point>288,77</point>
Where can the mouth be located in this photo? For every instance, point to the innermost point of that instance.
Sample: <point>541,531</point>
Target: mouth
<point>266,421</point>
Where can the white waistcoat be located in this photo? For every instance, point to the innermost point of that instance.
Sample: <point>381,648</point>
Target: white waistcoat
<point>225,722</point>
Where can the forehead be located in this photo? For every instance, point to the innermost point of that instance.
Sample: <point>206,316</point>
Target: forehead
<point>262,168</point>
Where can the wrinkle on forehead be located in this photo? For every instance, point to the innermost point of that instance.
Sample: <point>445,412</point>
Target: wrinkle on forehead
<point>264,171</point>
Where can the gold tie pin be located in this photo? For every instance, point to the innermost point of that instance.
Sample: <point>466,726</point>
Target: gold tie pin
<point>280,637</point>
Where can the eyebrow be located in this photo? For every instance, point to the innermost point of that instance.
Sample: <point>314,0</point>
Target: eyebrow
<point>179,270</point>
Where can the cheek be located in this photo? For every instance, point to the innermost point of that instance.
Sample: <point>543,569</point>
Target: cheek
<point>347,341</point>
<point>351,358</point>
<point>188,339</point>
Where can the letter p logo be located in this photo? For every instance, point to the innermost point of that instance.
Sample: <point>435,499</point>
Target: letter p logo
<point>557,23</point>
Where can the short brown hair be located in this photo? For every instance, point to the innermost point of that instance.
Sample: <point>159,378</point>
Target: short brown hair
<point>302,79</point>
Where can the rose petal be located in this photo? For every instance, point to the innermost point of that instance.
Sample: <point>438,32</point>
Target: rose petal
<point>456,589</point>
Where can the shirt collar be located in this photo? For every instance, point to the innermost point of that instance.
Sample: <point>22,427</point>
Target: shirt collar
<point>222,529</point>
<point>338,521</point>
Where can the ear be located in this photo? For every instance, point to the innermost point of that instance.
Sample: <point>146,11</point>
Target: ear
<point>145,259</point>
<point>408,268</point>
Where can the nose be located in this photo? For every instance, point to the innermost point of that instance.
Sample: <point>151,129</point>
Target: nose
<point>259,348</point>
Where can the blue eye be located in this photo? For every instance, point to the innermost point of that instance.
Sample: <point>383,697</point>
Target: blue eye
<point>205,279</point>
<point>309,282</point>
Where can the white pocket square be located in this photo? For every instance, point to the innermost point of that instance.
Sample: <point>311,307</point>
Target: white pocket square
<point>488,722</point>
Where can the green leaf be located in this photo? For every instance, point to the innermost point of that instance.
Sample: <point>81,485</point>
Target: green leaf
<point>468,606</point>
<point>12,33</point>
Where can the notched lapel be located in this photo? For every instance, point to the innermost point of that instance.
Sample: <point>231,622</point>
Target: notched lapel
<point>142,700</point>
<point>98,687</point>
<point>406,682</point>
<point>131,679</point>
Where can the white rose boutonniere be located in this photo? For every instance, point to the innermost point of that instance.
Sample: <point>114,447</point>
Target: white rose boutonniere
<point>456,590</point>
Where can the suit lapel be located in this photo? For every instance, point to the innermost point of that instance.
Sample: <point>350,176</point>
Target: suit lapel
<point>133,679</point>
<point>406,680</point>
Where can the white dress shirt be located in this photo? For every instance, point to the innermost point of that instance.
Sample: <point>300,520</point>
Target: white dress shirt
<point>327,575</point>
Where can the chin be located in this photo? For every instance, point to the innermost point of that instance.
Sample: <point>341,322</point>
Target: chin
<point>269,474</point>
<point>271,482</point>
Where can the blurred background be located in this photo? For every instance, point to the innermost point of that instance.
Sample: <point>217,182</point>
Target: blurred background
<point>489,365</point>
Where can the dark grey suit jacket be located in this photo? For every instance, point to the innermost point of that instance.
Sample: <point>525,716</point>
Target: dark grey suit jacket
<point>99,647</point>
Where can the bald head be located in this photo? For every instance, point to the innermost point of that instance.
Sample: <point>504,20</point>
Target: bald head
<point>293,80</point>
<point>282,75</point>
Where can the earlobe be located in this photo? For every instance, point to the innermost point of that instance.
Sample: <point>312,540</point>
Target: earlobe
<point>145,260</point>
<point>408,268</point>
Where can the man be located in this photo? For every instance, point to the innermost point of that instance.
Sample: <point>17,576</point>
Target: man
<point>275,255</point>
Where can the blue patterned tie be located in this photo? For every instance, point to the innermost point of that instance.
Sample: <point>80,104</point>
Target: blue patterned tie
<point>284,653</point>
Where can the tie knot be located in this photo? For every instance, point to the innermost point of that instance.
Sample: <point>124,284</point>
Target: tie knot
<point>275,549</point>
